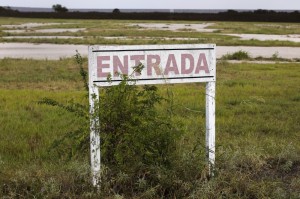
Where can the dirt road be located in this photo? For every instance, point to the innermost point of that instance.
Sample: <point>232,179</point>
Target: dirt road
<point>56,51</point>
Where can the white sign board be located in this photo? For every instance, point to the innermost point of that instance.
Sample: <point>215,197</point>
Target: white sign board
<point>168,63</point>
<point>163,64</point>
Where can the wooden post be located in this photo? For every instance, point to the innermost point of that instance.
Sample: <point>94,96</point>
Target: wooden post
<point>210,125</point>
<point>94,135</point>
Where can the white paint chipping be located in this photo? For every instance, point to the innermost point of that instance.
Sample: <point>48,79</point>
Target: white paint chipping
<point>210,125</point>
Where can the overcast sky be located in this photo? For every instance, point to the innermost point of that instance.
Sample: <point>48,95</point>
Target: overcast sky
<point>160,4</point>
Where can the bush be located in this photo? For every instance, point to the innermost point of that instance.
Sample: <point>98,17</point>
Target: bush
<point>59,8</point>
<point>116,11</point>
<point>139,154</point>
<point>132,131</point>
<point>239,55</point>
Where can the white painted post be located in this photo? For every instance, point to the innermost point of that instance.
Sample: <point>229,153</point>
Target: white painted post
<point>94,122</point>
<point>210,125</point>
<point>94,138</point>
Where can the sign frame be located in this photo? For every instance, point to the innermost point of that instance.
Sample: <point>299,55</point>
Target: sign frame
<point>173,52</point>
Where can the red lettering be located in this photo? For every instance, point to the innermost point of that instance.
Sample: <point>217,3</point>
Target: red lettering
<point>153,61</point>
<point>184,69</point>
<point>202,64</point>
<point>119,67</point>
<point>101,66</point>
<point>171,65</point>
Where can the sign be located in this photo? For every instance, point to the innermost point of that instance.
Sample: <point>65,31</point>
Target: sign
<point>163,64</point>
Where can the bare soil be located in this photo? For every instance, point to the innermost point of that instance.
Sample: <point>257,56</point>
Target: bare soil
<point>56,51</point>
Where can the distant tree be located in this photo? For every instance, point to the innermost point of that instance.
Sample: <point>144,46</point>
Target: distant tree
<point>7,9</point>
<point>59,8</point>
<point>232,12</point>
<point>116,11</point>
<point>260,11</point>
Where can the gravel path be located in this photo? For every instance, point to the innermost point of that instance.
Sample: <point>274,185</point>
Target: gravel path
<point>56,51</point>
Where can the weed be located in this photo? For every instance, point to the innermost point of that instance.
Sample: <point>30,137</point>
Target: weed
<point>275,55</point>
<point>239,55</point>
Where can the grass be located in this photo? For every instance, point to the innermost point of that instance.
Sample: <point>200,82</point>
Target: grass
<point>96,30</point>
<point>257,121</point>
<point>244,56</point>
<point>257,28</point>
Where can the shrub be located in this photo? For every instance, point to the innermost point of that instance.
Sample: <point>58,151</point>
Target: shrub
<point>116,11</point>
<point>239,55</point>
<point>139,154</point>
<point>59,8</point>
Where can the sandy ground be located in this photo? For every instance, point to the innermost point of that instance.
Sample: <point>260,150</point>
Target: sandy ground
<point>175,27</point>
<point>202,27</point>
<point>108,38</point>
<point>56,51</point>
<point>42,37</point>
<point>52,30</point>
<point>262,37</point>
<point>152,38</point>
<point>31,25</point>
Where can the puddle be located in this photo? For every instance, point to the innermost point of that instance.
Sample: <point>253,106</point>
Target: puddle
<point>262,37</point>
<point>175,27</point>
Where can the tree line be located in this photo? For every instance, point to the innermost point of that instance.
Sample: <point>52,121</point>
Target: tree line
<point>229,15</point>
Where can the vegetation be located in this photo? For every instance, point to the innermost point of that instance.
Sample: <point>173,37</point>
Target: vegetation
<point>239,55</point>
<point>230,15</point>
<point>243,55</point>
<point>257,135</point>
<point>116,11</point>
<point>125,32</point>
<point>59,8</point>
<point>257,28</point>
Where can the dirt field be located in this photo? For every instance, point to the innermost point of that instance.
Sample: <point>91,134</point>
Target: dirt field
<point>57,51</point>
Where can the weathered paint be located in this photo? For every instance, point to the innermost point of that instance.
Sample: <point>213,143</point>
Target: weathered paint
<point>163,64</point>
<point>210,125</point>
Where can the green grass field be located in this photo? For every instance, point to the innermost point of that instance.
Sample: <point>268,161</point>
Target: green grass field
<point>97,30</point>
<point>257,130</point>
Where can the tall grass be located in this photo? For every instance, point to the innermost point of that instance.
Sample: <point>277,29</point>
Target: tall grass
<point>257,132</point>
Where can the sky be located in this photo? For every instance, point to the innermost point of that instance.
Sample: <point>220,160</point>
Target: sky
<point>161,4</point>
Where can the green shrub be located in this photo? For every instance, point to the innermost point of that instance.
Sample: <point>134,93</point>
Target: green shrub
<point>239,55</point>
<point>133,132</point>
<point>139,154</point>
